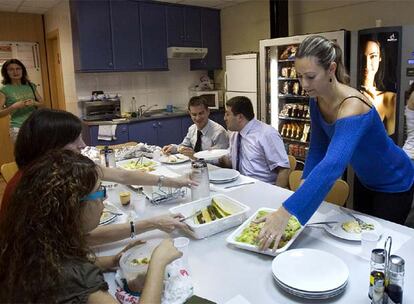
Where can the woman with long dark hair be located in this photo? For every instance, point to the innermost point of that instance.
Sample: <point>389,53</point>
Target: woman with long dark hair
<point>346,129</point>
<point>18,96</point>
<point>44,257</point>
<point>46,130</point>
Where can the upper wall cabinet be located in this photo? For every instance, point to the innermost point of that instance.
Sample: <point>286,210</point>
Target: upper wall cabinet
<point>154,36</point>
<point>184,26</point>
<point>126,35</point>
<point>211,39</point>
<point>91,32</point>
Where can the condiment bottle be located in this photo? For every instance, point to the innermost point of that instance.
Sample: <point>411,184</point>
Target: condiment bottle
<point>395,280</point>
<point>107,157</point>
<point>377,273</point>
<point>199,174</point>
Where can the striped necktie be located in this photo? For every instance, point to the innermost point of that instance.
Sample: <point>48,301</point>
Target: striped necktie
<point>239,138</point>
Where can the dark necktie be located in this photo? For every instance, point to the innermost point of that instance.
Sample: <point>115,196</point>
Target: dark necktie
<point>239,137</point>
<point>197,146</point>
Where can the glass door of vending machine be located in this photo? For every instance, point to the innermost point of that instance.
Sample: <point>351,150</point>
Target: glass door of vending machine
<point>285,105</point>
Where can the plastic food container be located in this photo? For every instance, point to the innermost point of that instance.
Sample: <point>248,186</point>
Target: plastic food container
<point>200,231</point>
<point>231,239</point>
<point>129,269</point>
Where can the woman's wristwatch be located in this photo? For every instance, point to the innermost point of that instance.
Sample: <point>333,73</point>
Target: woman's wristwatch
<point>161,180</point>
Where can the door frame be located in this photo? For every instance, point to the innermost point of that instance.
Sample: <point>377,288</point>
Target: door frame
<point>56,101</point>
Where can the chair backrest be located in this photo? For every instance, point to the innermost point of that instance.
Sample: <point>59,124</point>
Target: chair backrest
<point>292,162</point>
<point>8,170</point>
<point>338,193</point>
<point>294,179</point>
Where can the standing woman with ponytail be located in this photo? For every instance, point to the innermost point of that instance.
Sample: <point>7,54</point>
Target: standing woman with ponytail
<point>18,96</point>
<point>346,129</point>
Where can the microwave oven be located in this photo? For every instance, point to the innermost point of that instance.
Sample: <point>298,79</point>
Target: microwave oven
<point>212,97</point>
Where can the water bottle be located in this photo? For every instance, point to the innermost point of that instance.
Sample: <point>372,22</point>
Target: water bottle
<point>199,174</point>
<point>133,108</point>
<point>107,157</point>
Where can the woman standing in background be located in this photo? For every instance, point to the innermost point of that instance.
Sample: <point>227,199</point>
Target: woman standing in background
<point>18,96</point>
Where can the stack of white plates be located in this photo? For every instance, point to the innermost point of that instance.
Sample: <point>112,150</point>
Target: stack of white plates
<point>222,176</point>
<point>310,273</point>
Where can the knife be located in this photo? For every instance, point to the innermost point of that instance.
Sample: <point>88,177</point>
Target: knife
<point>190,216</point>
<point>241,184</point>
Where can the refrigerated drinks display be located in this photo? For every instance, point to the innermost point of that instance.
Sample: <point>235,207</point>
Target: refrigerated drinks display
<point>284,104</point>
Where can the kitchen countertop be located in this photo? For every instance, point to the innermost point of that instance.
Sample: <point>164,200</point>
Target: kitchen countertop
<point>153,115</point>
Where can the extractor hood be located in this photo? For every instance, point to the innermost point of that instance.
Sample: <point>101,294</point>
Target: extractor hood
<point>186,52</point>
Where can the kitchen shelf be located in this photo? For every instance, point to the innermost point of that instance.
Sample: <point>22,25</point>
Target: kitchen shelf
<point>288,78</point>
<point>295,141</point>
<point>294,118</point>
<point>286,60</point>
<point>293,96</point>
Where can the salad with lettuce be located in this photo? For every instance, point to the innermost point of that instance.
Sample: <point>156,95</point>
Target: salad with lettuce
<point>251,232</point>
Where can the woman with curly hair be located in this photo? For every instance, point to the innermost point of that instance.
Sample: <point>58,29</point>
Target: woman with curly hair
<point>46,130</point>
<point>43,251</point>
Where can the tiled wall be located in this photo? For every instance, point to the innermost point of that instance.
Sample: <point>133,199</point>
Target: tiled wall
<point>149,88</point>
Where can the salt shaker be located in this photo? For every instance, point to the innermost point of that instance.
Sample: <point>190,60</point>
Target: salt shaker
<point>395,280</point>
<point>377,274</point>
<point>199,174</point>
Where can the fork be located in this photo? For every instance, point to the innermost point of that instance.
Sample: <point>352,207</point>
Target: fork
<point>359,221</point>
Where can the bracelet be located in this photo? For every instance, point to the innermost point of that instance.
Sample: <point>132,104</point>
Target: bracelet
<point>161,181</point>
<point>131,223</point>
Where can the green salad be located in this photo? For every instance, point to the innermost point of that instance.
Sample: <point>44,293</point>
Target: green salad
<point>250,233</point>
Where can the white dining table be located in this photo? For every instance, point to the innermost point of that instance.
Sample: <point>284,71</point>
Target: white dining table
<point>220,271</point>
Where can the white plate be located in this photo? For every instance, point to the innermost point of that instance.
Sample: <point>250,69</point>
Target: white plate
<point>224,181</point>
<point>211,154</point>
<point>107,218</point>
<point>174,159</point>
<point>338,231</point>
<point>310,270</point>
<point>223,175</point>
<point>231,239</point>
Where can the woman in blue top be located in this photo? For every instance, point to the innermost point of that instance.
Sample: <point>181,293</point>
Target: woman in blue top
<point>346,129</point>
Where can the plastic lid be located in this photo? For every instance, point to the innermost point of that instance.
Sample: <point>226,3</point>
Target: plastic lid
<point>396,263</point>
<point>378,256</point>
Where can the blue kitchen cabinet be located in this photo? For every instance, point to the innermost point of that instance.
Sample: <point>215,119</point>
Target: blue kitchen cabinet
<point>158,132</point>
<point>126,35</point>
<point>186,122</point>
<point>154,36</point>
<point>90,136</point>
<point>218,116</point>
<point>143,131</point>
<point>184,26</point>
<point>210,35</point>
<point>91,33</point>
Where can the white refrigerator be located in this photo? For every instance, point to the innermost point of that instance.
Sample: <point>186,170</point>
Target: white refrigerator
<point>241,78</point>
<point>28,54</point>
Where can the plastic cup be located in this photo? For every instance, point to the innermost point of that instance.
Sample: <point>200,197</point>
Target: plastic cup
<point>369,240</point>
<point>181,243</point>
<point>125,198</point>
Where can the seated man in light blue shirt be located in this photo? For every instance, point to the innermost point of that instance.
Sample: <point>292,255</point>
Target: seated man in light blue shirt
<point>256,149</point>
<point>204,134</point>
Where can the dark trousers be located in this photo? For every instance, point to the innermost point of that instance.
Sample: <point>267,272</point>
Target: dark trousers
<point>393,207</point>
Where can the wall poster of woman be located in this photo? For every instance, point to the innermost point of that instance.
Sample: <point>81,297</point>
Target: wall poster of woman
<point>378,72</point>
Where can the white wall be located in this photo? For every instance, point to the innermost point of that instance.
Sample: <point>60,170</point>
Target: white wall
<point>149,88</point>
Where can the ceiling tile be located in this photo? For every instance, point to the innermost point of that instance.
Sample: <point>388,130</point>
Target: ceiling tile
<point>40,3</point>
<point>32,10</point>
<point>204,3</point>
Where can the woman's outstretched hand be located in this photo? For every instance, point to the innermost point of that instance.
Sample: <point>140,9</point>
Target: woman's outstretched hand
<point>275,224</point>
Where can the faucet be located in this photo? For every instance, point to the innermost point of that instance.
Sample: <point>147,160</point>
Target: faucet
<point>142,112</point>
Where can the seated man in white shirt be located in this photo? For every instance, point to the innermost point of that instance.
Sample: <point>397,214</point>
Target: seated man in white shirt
<point>256,149</point>
<point>204,134</point>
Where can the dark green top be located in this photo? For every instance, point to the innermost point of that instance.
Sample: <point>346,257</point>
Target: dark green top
<point>16,93</point>
<point>81,279</point>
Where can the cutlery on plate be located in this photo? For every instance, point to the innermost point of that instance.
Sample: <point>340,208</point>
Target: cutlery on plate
<point>112,212</point>
<point>190,216</point>
<point>359,221</point>
<point>323,223</point>
<point>241,184</point>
